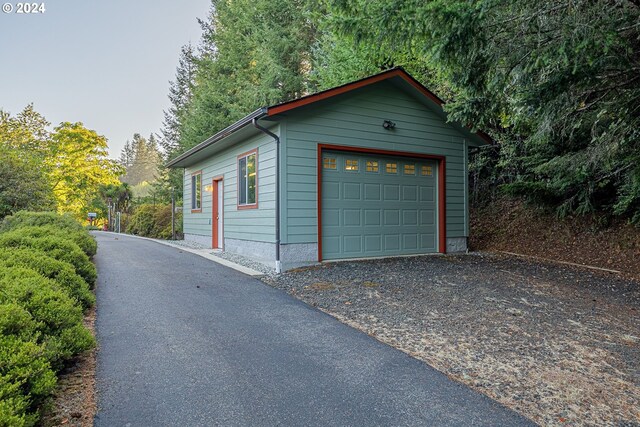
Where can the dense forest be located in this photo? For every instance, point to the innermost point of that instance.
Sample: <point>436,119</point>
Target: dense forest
<point>555,84</point>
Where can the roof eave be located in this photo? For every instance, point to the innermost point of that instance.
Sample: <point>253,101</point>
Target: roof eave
<point>260,112</point>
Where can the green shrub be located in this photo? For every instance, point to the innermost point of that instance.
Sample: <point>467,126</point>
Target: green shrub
<point>152,221</point>
<point>18,322</point>
<point>57,318</point>
<point>45,279</point>
<point>26,218</point>
<point>61,272</point>
<point>80,237</point>
<point>26,379</point>
<point>55,247</point>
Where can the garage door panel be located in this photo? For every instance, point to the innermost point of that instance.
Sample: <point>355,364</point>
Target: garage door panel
<point>427,193</point>
<point>372,192</point>
<point>373,243</point>
<point>391,192</point>
<point>352,244</point>
<point>428,241</point>
<point>352,217</point>
<point>391,242</point>
<point>376,210</point>
<point>372,217</point>
<point>331,246</point>
<point>409,193</point>
<point>427,217</point>
<point>331,217</point>
<point>331,190</point>
<point>410,217</point>
<point>351,191</point>
<point>410,241</point>
<point>391,217</point>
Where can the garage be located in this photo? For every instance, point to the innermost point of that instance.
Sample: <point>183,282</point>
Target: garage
<point>377,205</point>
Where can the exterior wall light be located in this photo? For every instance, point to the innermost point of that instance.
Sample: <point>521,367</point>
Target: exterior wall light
<point>388,125</point>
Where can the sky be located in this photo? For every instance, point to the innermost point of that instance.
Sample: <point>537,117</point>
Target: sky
<point>105,63</point>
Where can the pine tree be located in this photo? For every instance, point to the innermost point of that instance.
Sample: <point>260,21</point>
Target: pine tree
<point>180,93</point>
<point>126,155</point>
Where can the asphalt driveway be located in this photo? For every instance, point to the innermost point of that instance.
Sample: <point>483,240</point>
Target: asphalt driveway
<point>185,341</point>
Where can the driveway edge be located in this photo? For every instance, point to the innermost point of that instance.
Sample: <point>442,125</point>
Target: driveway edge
<point>204,253</point>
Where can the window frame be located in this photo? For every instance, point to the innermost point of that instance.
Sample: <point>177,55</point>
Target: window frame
<point>396,167</point>
<point>196,207</point>
<point>426,170</point>
<point>349,163</point>
<point>330,161</point>
<point>242,206</point>
<point>409,165</point>
<point>374,164</point>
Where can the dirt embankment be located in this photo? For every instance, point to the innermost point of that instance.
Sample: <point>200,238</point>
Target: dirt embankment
<point>512,226</point>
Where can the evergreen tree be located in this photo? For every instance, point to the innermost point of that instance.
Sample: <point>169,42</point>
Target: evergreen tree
<point>180,93</point>
<point>557,84</point>
<point>144,160</point>
<point>126,155</point>
<point>254,53</point>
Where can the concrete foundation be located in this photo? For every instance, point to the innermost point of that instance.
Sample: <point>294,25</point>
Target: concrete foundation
<point>456,244</point>
<point>201,240</point>
<point>292,255</point>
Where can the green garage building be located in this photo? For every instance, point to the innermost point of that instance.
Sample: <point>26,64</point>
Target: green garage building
<point>367,169</point>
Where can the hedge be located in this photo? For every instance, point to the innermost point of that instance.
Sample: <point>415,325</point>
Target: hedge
<point>56,247</point>
<point>45,278</point>
<point>25,219</point>
<point>57,316</point>
<point>81,238</point>
<point>26,380</point>
<point>61,272</point>
<point>153,221</point>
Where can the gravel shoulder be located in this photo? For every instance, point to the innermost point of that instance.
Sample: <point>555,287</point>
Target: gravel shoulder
<point>558,344</point>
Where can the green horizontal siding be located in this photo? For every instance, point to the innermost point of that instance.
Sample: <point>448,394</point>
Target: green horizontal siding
<point>249,224</point>
<point>356,120</point>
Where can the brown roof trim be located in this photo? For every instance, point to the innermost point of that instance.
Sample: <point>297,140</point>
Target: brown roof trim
<point>385,75</point>
<point>338,90</point>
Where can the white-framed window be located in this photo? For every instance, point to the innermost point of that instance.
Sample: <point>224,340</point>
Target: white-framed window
<point>196,191</point>
<point>248,180</point>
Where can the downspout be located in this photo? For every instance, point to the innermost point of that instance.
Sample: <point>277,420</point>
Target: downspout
<point>277,139</point>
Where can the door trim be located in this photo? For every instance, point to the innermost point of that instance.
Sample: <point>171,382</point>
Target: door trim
<point>217,192</point>
<point>442,207</point>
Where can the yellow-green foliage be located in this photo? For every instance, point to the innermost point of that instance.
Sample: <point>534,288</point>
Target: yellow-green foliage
<point>81,238</point>
<point>152,221</point>
<point>26,218</point>
<point>42,224</point>
<point>26,379</point>
<point>61,272</point>
<point>57,247</point>
<point>44,287</point>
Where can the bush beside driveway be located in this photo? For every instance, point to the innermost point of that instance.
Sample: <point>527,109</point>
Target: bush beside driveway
<point>560,345</point>
<point>45,280</point>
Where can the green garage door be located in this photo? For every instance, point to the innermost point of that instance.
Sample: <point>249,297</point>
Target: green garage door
<point>377,206</point>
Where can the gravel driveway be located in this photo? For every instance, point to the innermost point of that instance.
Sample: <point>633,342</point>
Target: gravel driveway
<point>556,343</point>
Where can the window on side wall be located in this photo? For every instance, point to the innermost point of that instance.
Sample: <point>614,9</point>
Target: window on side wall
<point>196,191</point>
<point>248,180</point>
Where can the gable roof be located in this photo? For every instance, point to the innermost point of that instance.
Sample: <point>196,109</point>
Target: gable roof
<point>397,75</point>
